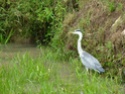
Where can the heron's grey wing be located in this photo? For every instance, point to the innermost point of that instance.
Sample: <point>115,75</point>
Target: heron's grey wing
<point>90,59</point>
<point>91,62</point>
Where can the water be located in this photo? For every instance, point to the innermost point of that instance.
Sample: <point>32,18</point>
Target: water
<point>7,52</point>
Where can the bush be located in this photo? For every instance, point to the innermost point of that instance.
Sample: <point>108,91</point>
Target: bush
<point>34,19</point>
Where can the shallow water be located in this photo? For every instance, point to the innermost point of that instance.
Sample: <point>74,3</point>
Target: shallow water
<point>7,52</point>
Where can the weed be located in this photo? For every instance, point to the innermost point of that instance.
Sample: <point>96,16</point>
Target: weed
<point>47,75</point>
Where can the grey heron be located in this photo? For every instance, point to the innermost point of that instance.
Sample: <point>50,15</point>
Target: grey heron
<point>87,59</point>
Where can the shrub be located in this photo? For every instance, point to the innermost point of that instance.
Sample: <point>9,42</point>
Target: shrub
<point>35,19</point>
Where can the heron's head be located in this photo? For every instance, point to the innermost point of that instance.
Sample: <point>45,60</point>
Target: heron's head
<point>77,32</point>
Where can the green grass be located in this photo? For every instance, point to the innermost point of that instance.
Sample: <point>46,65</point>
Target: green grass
<point>47,74</point>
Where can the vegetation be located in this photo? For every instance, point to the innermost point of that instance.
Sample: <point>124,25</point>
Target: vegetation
<point>34,20</point>
<point>48,75</point>
<point>46,23</point>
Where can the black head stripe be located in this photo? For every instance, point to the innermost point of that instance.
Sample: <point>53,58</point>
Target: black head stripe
<point>78,30</point>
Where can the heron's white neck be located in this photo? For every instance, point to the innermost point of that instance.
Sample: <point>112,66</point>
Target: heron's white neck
<point>79,46</point>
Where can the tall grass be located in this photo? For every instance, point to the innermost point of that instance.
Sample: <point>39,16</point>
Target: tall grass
<point>47,75</point>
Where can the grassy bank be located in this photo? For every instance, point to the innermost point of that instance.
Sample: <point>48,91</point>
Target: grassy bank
<point>47,74</point>
<point>48,22</point>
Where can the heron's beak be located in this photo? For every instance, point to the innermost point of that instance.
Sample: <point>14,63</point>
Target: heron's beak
<point>70,33</point>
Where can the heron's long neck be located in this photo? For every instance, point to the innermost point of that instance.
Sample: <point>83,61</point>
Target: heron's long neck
<point>79,46</point>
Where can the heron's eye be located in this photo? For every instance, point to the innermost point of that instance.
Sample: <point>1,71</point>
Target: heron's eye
<point>78,30</point>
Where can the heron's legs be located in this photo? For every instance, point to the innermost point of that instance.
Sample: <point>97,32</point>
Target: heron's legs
<point>87,69</point>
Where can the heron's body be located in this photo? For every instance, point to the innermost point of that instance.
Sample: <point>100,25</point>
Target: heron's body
<point>90,62</point>
<point>87,59</point>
